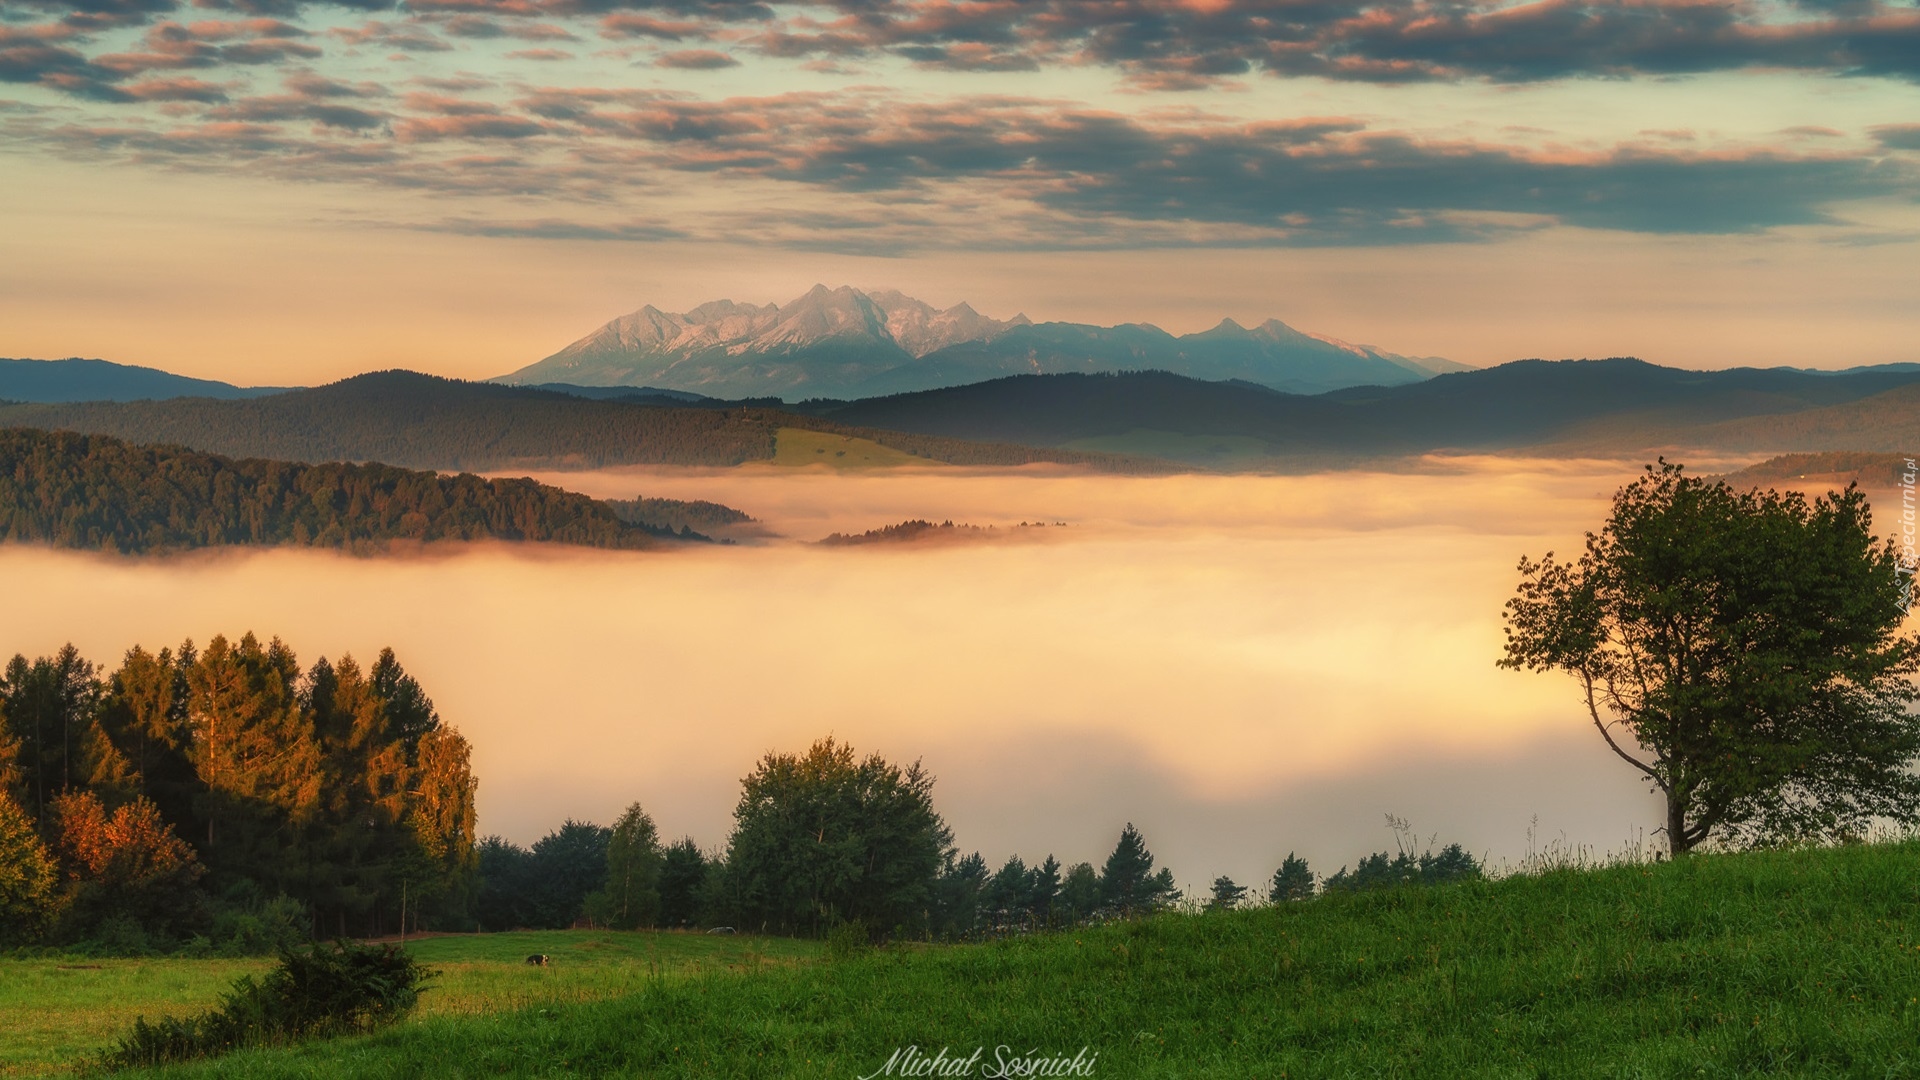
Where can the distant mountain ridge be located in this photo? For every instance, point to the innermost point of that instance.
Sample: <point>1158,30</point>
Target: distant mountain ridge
<point>76,379</point>
<point>1610,406</point>
<point>846,343</point>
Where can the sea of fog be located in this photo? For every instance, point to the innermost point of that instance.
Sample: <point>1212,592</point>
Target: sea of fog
<point>1240,666</point>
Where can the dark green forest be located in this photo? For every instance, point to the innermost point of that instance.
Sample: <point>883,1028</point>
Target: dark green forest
<point>678,516</point>
<point>828,842</point>
<point>226,799</point>
<point>98,493</point>
<point>427,422</point>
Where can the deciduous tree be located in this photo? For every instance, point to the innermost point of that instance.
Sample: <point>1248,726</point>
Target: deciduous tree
<point>1741,651</point>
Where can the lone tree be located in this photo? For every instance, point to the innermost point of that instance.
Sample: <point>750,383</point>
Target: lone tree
<point>1748,643</point>
<point>826,837</point>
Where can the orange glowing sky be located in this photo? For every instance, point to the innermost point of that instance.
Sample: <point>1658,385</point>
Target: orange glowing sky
<point>465,186</point>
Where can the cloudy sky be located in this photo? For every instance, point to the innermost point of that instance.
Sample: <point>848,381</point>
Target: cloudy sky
<point>277,191</point>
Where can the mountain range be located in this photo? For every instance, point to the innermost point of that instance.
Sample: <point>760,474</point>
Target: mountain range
<point>846,343</point>
<point>75,379</point>
<point>1141,422</point>
<point>1615,406</point>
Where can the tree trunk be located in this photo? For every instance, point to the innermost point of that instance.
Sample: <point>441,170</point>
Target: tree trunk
<point>1677,842</point>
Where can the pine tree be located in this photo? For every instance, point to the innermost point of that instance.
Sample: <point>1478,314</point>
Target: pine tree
<point>683,873</point>
<point>1226,894</point>
<point>50,706</point>
<point>1044,891</point>
<point>1293,881</point>
<point>1128,884</point>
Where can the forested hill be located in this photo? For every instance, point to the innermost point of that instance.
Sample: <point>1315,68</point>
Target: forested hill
<point>98,493</point>
<point>427,422</point>
<point>1617,405</point>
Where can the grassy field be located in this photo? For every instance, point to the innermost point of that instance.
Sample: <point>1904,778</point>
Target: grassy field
<point>1788,963</point>
<point>800,447</point>
<point>58,1010</point>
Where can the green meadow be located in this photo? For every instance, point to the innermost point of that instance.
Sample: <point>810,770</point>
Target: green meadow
<point>799,447</point>
<point>60,1009</point>
<point>1782,963</point>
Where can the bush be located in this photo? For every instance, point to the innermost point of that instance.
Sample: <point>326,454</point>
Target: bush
<point>317,991</point>
<point>262,930</point>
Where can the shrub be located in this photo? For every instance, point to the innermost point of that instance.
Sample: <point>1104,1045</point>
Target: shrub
<point>315,992</point>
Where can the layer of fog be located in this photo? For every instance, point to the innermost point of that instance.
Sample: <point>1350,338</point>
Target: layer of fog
<point>1242,666</point>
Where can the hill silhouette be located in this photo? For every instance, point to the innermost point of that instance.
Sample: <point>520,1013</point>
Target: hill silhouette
<point>427,422</point>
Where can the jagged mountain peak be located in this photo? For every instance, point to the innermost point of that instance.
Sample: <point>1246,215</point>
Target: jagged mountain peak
<point>842,341</point>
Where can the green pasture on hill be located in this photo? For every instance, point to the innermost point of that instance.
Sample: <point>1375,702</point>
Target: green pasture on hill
<point>1774,963</point>
<point>800,447</point>
<point>59,1009</point>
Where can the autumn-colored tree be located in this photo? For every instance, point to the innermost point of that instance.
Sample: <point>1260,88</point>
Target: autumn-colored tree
<point>143,734</point>
<point>257,761</point>
<point>28,877</point>
<point>127,864</point>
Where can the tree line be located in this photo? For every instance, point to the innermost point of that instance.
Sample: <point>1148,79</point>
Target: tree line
<point>829,839</point>
<point>98,493</point>
<point>223,797</point>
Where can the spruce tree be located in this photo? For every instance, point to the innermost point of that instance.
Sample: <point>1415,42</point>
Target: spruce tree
<point>1293,881</point>
<point>1128,884</point>
<point>1226,894</point>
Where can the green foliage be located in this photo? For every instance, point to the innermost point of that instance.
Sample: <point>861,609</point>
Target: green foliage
<point>546,887</point>
<point>675,515</point>
<point>1380,870</point>
<point>1293,881</point>
<point>847,939</point>
<point>634,861</point>
<point>319,991</point>
<point>1128,884</point>
<point>683,878</point>
<point>824,837</point>
<point>102,494</point>
<point>1079,893</point>
<point>1227,895</point>
<point>1748,643</point>
<point>27,877</point>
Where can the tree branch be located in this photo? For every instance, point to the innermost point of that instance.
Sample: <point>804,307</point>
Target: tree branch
<point>1593,711</point>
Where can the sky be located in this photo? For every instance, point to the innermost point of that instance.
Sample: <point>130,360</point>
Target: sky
<point>283,192</point>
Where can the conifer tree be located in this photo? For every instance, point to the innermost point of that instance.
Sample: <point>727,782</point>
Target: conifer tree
<point>1227,895</point>
<point>1128,884</point>
<point>683,873</point>
<point>1293,881</point>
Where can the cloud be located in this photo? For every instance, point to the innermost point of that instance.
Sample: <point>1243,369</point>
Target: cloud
<point>557,229</point>
<point>695,60</point>
<point>545,55</point>
<point>1898,136</point>
<point>179,89</point>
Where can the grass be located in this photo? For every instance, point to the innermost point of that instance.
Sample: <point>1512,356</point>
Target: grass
<point>798,447</point>
<point>1782,963</point>
<point>58,1010</point>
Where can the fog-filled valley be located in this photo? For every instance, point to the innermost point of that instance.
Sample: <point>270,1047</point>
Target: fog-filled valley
<point>1241,666</point>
